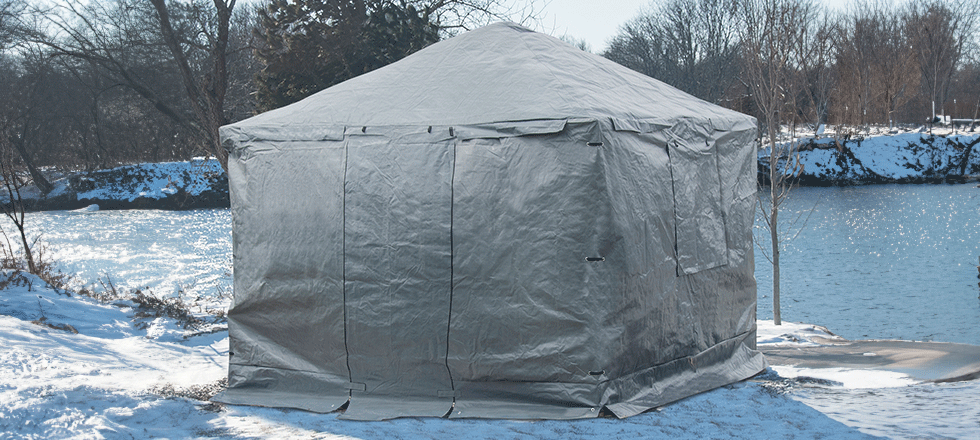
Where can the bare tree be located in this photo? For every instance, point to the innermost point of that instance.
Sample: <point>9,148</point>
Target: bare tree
<point>243,63</point>
<point>894,65</point>
<point>689,44</point>
<point>10,27</point>
<point>190,38</point>
<point>940,31</point>
<point>580,44</point>
<point>9,11</point>
<point>775,32</point>
<point>21,125</point>
<point>14,207</point>
<point>637,45</point>
<point>877,71</point>
<point>855,45</point>
<point>966,88</point>
<point>12,181</point>
<point>205,88</point>
<point>454,16</point>
<point>816,65</point>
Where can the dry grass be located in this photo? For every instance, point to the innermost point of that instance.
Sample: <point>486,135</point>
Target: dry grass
<point>146,304</point>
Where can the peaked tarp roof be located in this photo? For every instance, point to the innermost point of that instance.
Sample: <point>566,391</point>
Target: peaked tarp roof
<point>501,72</point>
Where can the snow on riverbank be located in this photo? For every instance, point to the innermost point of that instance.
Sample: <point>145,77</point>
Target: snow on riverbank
<point>907,157</point>
<point>152,180</point>
<point>116,378</point>
<point>198,183</point>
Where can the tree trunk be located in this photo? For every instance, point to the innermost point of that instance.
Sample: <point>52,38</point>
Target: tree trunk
<point>39,180</point>
<point>206,95</point>
<point>28,255</point>
<point>776,315</point>
<point>976,111</point>
<point>775,183</point>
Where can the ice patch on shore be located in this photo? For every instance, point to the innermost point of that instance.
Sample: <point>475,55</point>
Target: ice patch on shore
<point>849,378</point>
<point>792,333</point>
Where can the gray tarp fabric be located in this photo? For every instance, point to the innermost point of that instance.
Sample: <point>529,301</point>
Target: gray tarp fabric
<point>499,225</point>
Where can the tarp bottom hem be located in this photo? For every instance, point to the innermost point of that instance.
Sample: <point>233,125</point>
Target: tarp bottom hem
<point>725,363</point>
<point>273,399</point>
<point>375,408</point>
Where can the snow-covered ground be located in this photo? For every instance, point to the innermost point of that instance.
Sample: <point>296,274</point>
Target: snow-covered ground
<point>126,377</point>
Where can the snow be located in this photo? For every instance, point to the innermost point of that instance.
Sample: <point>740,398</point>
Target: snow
<point>893,157</point>
<point>879,156</point>
<point>809,335</point>
<point>94,383</point>
<point>155,181</point>
<point>89,208</point>
<point>789,333</point>
<point>848,378</point>
<point>121,377</point>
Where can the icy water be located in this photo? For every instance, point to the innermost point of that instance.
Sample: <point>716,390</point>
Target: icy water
<point>881,262</point>
<point>884,261</point>
<point>924,410</point>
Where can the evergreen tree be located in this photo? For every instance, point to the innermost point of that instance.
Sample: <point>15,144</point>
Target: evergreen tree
<point>310,45</point>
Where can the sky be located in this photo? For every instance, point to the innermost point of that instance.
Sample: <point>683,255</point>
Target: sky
<point>597,22</point>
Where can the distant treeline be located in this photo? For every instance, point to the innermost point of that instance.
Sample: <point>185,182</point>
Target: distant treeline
<point>89,85</point>
<point>873,63</point>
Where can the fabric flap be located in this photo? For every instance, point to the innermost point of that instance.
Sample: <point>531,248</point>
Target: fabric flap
<point>278,132</point>
<point>510,129</point>
<point>639,125</point>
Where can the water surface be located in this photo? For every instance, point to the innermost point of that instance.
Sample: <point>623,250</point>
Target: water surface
<point>881,261</point>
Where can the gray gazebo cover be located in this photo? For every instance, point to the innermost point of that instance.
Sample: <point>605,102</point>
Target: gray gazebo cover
<point>500,225</point>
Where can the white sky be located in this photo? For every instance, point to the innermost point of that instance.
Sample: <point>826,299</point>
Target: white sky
<point>596,22</point>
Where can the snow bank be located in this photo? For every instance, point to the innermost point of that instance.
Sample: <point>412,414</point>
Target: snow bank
<point>899,158</point>
<point>198,183</point>
<point>151,180</point>
<point>848,378</point>
<point>89,208</point>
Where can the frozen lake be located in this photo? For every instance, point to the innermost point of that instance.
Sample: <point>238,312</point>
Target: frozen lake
<point>885,261</point>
